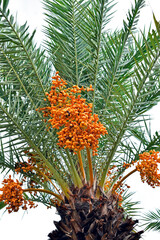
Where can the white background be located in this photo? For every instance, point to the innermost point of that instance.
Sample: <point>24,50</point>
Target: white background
<point>37,223</point>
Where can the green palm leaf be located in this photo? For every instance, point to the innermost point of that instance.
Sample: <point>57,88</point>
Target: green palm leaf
<point>152,220</point>
<point>22,91</point>
<point>65,46</point>
<point>75,29</point>
<point>131,98</point>
<point>2,205</point>
<point>131,208</point>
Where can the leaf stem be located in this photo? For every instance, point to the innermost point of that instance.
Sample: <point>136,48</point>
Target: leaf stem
<point>81,164</point>
<point>48,179</point>
<point>120,182</point>
<point>43,190</point>
<point>90,165</point>
<point>76,179</point>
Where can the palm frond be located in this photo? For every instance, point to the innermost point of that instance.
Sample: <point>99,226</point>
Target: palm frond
<point>65,46</point>
<point>23,90</point>
<point>131,98</point>
<point>75,29</point>
<point>130,206</point>
<point>114,50</point>
<point>141,141</point>
<point>152,220</point>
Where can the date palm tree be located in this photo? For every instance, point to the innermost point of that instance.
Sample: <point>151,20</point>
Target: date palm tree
<point>54,134</point>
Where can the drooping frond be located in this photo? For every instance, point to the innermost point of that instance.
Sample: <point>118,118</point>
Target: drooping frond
<point>133,94</point>
<point>152,220</point>
<point>24,76</point>
<point>141,141</point>
<point>131,207</point>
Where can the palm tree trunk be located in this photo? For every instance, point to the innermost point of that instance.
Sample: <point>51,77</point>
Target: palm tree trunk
<point>84,217</point>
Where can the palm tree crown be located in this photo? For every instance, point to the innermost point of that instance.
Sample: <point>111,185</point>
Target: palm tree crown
<point>77,134</point>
